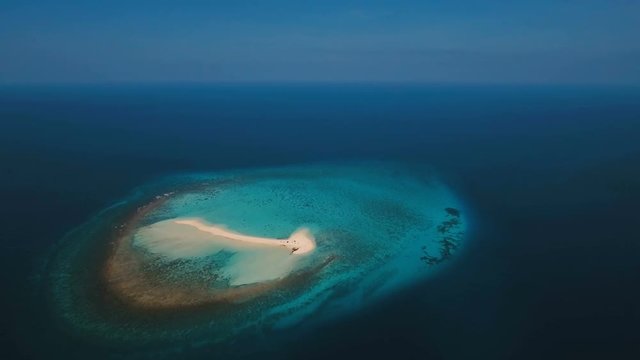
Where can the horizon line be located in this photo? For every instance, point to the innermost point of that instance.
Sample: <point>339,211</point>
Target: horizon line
<point>125,83</point>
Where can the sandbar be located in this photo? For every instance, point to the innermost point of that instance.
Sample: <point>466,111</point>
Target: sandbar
<point>299,243</point>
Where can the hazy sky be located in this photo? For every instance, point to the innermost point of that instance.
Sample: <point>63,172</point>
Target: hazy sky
<point>512,41</point>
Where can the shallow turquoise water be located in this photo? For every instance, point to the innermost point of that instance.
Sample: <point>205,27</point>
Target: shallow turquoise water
<point>378,228</point>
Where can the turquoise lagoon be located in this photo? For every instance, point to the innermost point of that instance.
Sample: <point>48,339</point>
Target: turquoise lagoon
<point>122,278</point>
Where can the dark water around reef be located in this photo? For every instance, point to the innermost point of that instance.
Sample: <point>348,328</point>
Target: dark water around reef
<point>553,175</point>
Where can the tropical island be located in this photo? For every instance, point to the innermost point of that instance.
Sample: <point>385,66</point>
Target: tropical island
<point>299,244</point>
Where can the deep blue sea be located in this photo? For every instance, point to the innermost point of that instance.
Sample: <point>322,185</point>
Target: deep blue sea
<point>552,175</point>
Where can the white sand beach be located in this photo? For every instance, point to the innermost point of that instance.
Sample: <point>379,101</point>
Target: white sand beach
<point>300,242</point>
<point>255,259</point>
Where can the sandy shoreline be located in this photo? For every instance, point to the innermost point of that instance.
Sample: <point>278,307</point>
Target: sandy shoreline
<point>299,243</point>
<point>125,277</point>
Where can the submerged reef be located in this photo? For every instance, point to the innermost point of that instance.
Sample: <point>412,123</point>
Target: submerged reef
<point>207,258</point>
<point>450,236</point>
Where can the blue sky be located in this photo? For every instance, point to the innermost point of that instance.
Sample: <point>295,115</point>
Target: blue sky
<point>441,41</point>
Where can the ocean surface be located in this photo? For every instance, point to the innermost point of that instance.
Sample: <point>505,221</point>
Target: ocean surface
<point>551,176</point>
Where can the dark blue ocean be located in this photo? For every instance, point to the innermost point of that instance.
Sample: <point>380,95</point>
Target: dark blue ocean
<point>551,269</point>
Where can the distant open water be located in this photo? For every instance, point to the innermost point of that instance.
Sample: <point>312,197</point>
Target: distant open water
<point>552,175</point>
